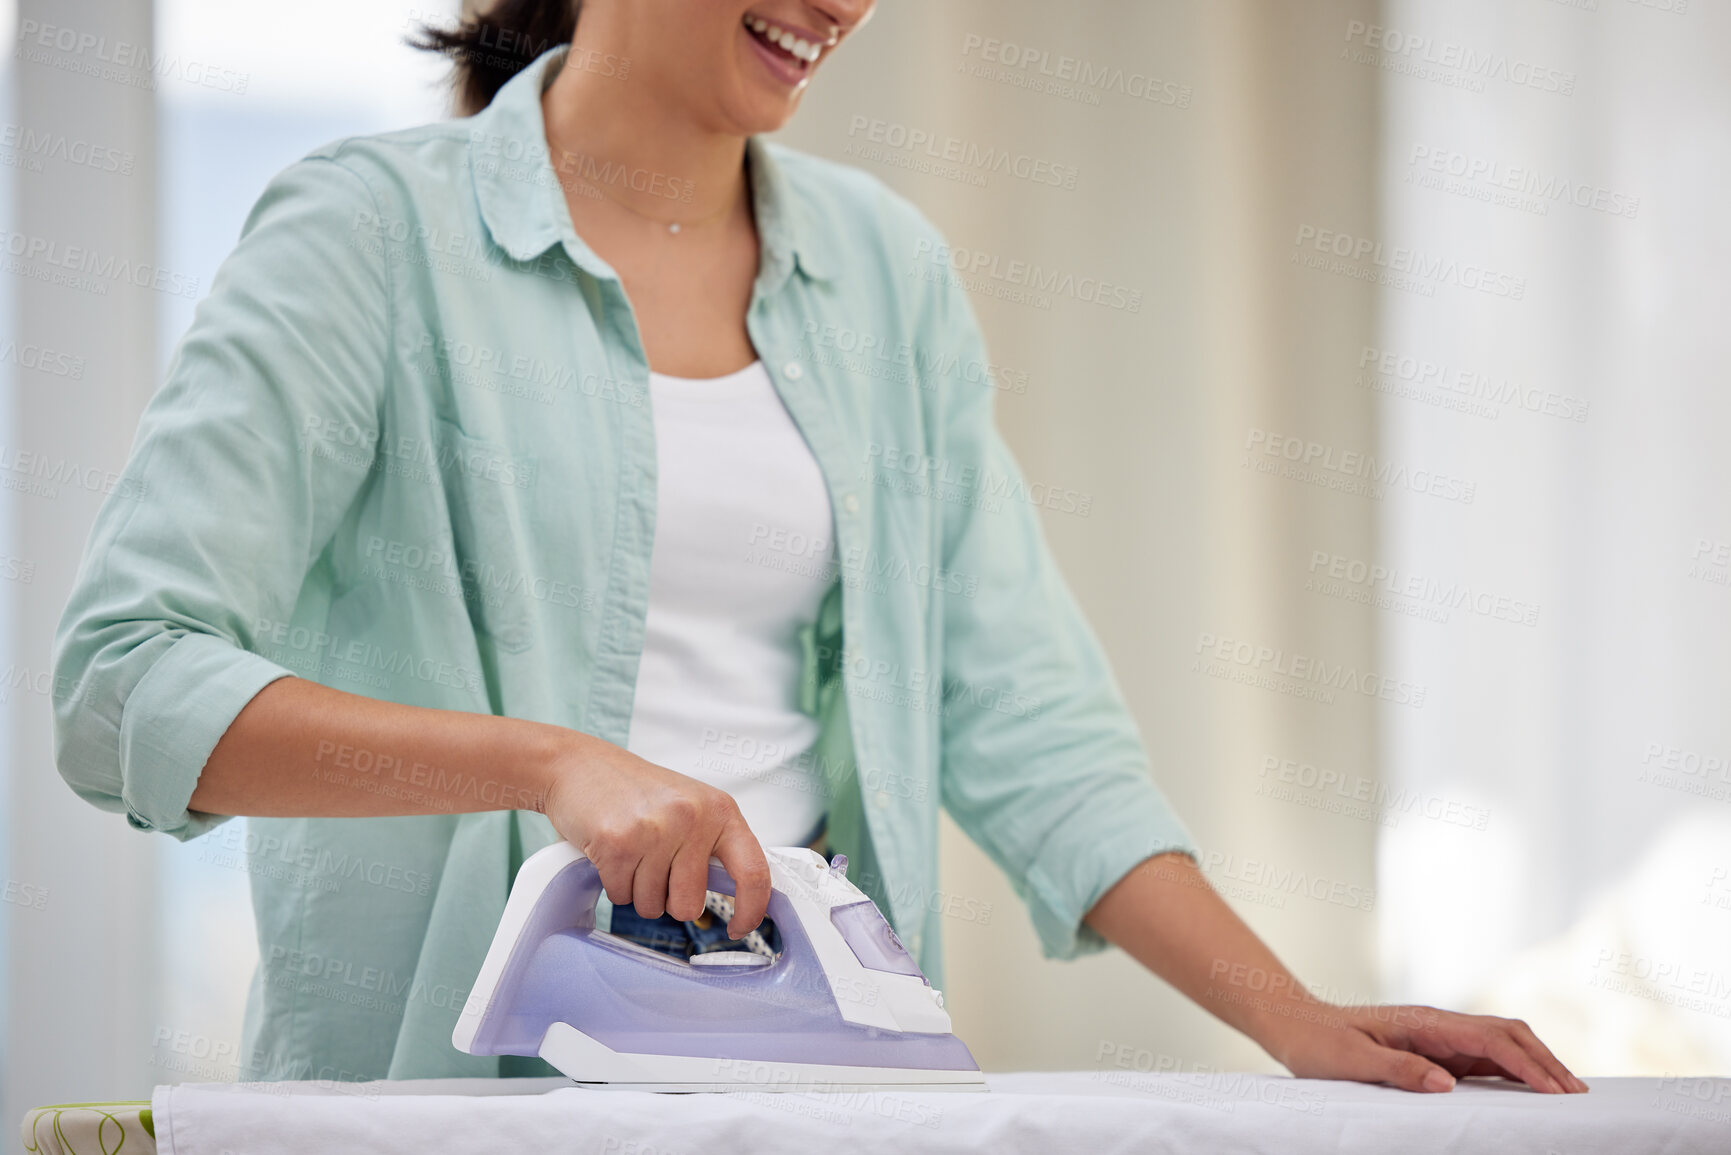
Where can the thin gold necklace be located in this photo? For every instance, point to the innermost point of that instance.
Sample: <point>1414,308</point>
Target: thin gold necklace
<point>673,227</point>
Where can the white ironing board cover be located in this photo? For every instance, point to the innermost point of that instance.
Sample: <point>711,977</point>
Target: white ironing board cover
<point>1093,1111</point>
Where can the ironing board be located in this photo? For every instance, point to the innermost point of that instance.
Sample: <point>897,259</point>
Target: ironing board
<point>1032,1112</point>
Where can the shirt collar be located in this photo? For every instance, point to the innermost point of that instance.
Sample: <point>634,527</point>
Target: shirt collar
<point>523,204</point>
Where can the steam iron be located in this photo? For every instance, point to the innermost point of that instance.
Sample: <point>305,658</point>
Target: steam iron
<point>843,1007</point>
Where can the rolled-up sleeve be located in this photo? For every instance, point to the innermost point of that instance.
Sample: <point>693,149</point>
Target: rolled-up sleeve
<point>224,506</point>
<point>1043,766</point>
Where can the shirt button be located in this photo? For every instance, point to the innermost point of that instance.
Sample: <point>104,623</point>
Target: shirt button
<point>793,371</point>
<point>850,503</point>
<point>881,799</point>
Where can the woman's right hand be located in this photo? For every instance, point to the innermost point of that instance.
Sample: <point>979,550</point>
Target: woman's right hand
<point>292,752</point>
<point>651,831</point>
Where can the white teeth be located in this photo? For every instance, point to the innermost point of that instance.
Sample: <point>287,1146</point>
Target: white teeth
<point>787,41</point>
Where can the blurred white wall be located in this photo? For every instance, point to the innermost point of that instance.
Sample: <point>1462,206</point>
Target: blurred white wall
<point>1592,414</point>
<point>1506,830</point>
<point>79,362</point>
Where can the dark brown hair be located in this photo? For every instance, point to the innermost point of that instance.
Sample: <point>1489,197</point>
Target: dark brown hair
<point>491,47</point>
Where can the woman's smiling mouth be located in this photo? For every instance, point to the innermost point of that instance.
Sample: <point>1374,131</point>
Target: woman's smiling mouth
<point>789,51</point>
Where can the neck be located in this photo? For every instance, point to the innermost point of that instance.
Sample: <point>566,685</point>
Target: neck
<point>631,144</point>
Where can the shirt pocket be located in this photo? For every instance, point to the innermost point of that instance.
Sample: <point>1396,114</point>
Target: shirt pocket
<point>488,492</point>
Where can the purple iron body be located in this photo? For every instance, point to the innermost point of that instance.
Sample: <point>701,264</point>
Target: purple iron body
<point>843,1006</point>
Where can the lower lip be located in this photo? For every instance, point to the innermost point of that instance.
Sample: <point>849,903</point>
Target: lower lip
<point>784,68</point>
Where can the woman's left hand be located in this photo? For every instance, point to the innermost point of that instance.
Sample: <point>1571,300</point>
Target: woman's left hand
<point>1417,1048</point>
<point>1167,916</point>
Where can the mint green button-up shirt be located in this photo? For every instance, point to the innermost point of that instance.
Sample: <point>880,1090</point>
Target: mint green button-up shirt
<point>405,450</point>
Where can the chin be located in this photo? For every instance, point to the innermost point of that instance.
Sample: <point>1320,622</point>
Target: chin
<point>749,107</point>
<point>754,116</point>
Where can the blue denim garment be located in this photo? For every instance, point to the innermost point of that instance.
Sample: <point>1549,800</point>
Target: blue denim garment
<point>682,939</point>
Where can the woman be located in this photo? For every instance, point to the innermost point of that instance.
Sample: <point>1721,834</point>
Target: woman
<point>497,494</point>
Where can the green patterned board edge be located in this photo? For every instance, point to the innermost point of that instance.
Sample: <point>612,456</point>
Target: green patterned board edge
<point>106,1133</point>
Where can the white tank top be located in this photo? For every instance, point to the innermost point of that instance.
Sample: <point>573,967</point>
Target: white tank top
<point>743,555</point>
